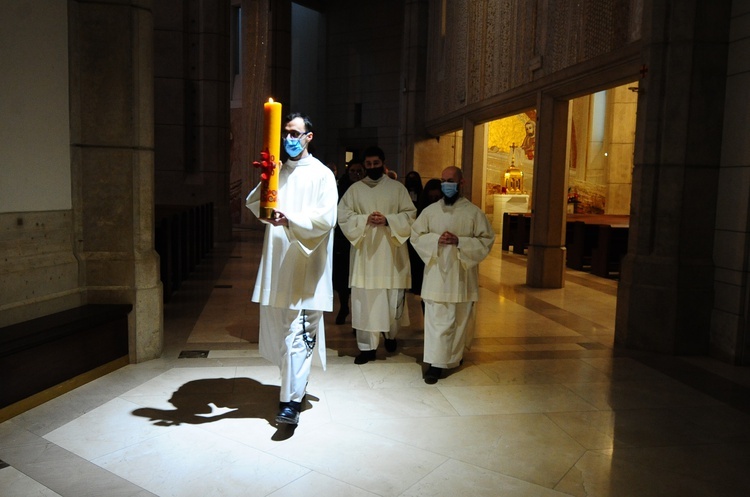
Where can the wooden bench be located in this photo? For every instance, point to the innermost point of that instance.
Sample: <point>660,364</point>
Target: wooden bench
<point>41,353</point>
<point>516,232</point>
<point>183,236</point>
<point>580,239</point>
<point>611,247</point>
<point>595,241</point>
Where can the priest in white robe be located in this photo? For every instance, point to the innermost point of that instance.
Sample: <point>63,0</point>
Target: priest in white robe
<point>375,215</point>
<point>294,284</point>
<point>452,236</point>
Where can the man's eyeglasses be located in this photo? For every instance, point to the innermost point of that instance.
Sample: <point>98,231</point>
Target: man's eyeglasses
<point>296,134</point>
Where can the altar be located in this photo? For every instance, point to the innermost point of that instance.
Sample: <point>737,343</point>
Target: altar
<point>515,203</point>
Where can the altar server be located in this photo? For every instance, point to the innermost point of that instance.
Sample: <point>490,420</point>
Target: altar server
<point>452,236</point>
<point>293,286</point>
<point>375,215</point>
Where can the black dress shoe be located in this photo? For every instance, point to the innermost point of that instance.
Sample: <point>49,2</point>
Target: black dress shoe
<point>289,413</point>
<point>432,375</point>
<point>390,344</point>
<point>364,357</point>
<point>341,316</point>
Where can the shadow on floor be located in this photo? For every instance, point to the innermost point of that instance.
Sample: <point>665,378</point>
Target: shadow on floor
<point>213,399</point>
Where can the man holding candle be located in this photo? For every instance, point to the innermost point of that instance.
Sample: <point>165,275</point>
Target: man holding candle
<point>375,215</point>
<point>293,286</point>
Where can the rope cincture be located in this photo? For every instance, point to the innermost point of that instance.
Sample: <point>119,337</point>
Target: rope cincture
<point>400,306</point>
<point>309,342</point>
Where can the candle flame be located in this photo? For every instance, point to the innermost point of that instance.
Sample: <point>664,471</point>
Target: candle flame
<point>270,100</point>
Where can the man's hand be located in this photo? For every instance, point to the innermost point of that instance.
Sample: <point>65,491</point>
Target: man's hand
<point>278,219</point>
<point>448,238</point>
<point>377,219</point>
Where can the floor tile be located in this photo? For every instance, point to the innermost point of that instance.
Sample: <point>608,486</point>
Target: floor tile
<point>509,399</point>
<point>367,461</point>
<point>457,478</point>
<point>544,405</point>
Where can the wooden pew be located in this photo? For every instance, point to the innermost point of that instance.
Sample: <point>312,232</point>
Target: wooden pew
<point>596,241</point>
<point>580,238</point>
<point>611,247</point>
<point>516,232</point>
<point>593,241</point>
<point>40,353</point>
<point>183,236</point>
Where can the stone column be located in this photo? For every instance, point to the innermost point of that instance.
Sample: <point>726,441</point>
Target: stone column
<point>730,323</point>
<point>413,63</point>
<point>112,162</point>
<point>467,159</point>
<point>666,293</point>
<point>546,252</point>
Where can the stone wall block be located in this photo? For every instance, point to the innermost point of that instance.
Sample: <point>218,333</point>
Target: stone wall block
<point>735,151</point>
<point>107,179</point>
<point>169,46</point>
<point>169,14</point>
<point>728,298</point>
<point>725,246</point>
<point>170,93</point>
<point>106,77</point>
<point>169,154</point>
<point>733,202</point>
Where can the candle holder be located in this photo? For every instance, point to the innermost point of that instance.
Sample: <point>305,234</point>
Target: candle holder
<point>513,175</point>
<point>269,185</point>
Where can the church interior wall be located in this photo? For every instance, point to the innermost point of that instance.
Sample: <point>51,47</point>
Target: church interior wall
<point>38,268</point>
<point>517,50</point>
<point>363,64</point>
<point>192,107</point>
<point>91,83</point>
<point>521,43</point>
<point>667,292</point>
<point>563,46</point>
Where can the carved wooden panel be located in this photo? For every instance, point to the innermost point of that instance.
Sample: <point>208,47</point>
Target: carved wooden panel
<point>480,49</point>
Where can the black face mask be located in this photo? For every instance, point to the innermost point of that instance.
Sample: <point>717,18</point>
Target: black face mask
<point>375,173</point>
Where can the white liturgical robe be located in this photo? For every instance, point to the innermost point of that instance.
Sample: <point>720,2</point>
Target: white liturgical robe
<point>450,286</point>
<point>295,271</point>
<point>295,268</point>
<point>451,271</point>
<point>379,258</point>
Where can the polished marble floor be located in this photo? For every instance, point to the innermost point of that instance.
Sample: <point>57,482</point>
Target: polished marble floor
<point>542,406</point>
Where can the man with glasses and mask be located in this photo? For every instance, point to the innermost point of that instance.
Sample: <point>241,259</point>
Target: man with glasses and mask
<point>293,286</point>
<point>375,215</point>
<point>452,236</point>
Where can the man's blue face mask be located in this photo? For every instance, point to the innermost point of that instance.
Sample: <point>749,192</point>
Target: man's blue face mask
<point>293,146</point>
<point>449,189</point>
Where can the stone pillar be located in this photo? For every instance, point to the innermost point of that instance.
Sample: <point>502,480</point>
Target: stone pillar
<point>730,326</point>
<point>666,293</point>
<point>467,158</point>
<point>620,163</point>
<point>413,71</point>
<point>546,252</point>
<point>112,162</point>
